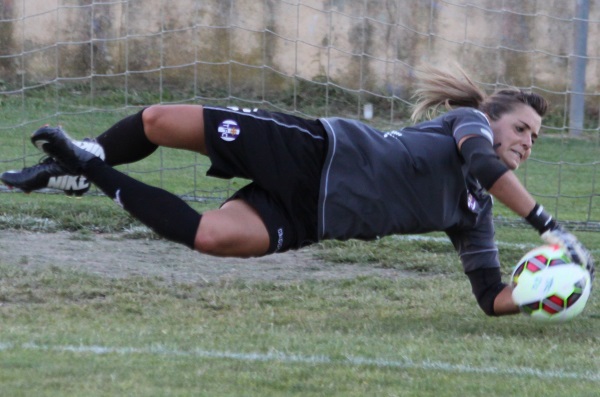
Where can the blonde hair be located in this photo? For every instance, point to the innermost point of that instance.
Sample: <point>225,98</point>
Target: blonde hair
<point>437,88</point>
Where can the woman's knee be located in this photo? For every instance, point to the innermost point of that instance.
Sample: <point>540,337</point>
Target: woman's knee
<point>234,230</point>
<point>176,126</point>
<point>224,244</point>
<point>151,117</point>
<point>208,243</point>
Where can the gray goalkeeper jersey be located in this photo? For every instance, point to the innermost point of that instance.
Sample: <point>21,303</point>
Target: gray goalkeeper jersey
<point>408,181</point>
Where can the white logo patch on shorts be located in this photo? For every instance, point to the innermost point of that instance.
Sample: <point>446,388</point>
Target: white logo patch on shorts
<point>229,130</point>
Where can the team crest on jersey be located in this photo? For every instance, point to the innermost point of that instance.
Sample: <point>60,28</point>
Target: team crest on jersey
<point>229,130</point>
<point>472,203</point>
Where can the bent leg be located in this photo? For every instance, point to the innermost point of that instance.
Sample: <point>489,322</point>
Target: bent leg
<point>138,135</point>
<point>235,229</point>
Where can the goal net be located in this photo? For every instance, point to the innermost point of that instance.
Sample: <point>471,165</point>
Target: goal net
<point>84,64</point>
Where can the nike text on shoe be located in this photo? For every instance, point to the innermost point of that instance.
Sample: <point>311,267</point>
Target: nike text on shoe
<point>69,154</point>
<point>72,185</point>
<point>46,174</point>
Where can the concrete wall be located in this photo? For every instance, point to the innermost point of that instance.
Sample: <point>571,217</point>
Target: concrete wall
<point>258,46</point>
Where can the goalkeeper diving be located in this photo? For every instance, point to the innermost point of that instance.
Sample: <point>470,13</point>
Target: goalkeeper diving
<point>327,178</point>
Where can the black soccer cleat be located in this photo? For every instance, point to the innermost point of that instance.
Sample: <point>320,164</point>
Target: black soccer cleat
<point>70,155</point>
<point>46,174</point>
<point>50,174</point>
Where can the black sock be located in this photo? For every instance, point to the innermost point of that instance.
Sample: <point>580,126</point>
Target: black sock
<point>165,213</point>
<point>126,142</point>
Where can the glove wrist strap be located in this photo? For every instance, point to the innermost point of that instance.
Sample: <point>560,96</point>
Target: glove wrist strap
<point>540,219</point>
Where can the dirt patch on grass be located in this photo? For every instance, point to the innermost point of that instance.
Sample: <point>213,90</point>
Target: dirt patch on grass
<point>112,255</point>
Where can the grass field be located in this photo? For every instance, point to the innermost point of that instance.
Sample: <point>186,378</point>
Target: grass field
<point>67,333</point>
<point>74,333</point>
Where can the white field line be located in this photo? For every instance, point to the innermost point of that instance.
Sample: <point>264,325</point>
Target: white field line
<point>404,363</point>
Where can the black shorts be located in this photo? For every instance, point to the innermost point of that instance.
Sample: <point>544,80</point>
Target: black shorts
<point>283,156</point>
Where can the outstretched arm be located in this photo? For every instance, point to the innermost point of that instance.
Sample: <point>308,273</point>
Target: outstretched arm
<point>509,190</point>
<point>504,185</point>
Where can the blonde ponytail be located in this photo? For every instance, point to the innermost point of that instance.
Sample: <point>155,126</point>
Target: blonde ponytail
<point>438,88</point>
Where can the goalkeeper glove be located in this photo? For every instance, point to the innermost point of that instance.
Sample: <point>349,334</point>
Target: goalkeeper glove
<point>552,233</point>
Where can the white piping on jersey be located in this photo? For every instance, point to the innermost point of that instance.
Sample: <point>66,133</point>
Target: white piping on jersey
<point>478,252</point>
<point>327,169</point>
<point>266,119</point>
<point>482,128</point>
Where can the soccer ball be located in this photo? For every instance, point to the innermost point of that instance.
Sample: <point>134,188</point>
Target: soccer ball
<point>547,286</point>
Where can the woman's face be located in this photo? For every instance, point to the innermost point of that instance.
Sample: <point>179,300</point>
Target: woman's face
<point>514,134</point>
